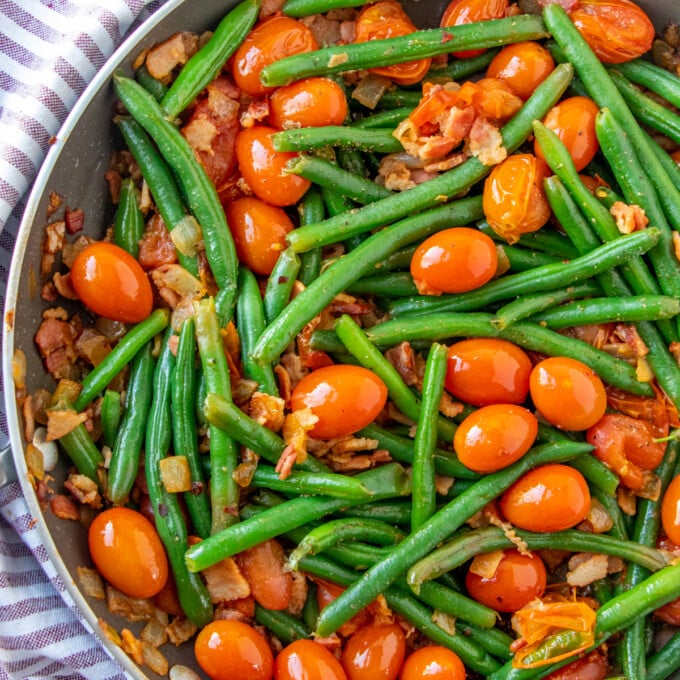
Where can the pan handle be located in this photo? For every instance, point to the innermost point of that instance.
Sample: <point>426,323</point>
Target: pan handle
<point>8,473</point>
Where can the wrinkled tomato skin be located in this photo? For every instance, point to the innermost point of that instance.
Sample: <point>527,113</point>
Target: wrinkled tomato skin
<point>483,371</point>
<point>111,283</point>
<point>128,552</point>
<point>374,652</point>
<point>593,666</point>
<point>523,66</point>
<point>670,511</point>
<point>307,660</point>
<point>271,40</point>
<point>433,662</point>
<point>454,261</point>
<point>233,650</point>
<point>548,498</point>
<point>518,580</point>
<point>345,398</point>
<point>311,102</point>
<point>460,12</point>
<point>263,566</point>
<point>264,168</point>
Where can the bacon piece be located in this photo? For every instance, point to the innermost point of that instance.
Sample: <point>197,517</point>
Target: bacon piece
<point>486,142</point>
<point>84,490</point>
<point>156,247</point>
<point>74,220</point>
<point>56,343</point>
<point>92,346</point>
<point>629,218</point>
<point>403,359</point>
<point>63,507</point>
<point>163,59</point>
<point>267,410</point>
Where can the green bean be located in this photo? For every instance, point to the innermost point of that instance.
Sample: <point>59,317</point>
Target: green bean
<point>206,64</point>
<point>128,227</point>
<point>283,625</point>
<point>398,98</point>
<point>664,158</point>
<point>597,473</point>
<point>390,285</point>
<point>653,77</point>
<point>311,607</point>
<point>100,376</point>
<point>305,8</point>
<point>304,139</point>
<point>457,69</point>
<point>392,512</point>
<point>149,83</point>
<point>311,209</point>
<point>544,240</point>
<point>383,119</point>
<point>82,452</point>
<point>493,640</point>
<point>125,456</point>
<point>666,661</point>
<point>110,416</point>
<point>417,45</point>
<point>522,259</point>
<point>280,285</point>
<point>401,259</point>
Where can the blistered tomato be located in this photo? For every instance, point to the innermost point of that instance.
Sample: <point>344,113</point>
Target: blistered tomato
<point>518,579</point>
<point>374,652</point>
<point>433,662</point>
<point>460,12</point>
<point>569,394</point>
<point>233,650</point>
<point>345,398</point>
<point>307,660</point>
<point>264,168</point>
<point>128,552</point>
<point>111,283</point>
<point>547,498</point>
<point>270,41</point>
<point>523,66</point>
<point>484,371</point>
<point>454,261</point>
<point>259,232</point>
<point>311,102</point>
<point>264,567</point>
<point>670,511</point>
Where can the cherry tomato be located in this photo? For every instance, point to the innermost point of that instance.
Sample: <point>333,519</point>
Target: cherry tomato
<point>593,666</point>
<point>327,592</point>
<point>311,102</point>
<point>374,652</point>
<point>111,283</point>
<point>495,436</point>
<point>387,19</point>
<point>569,394</point>
<point>345,398</point>
<point>518,579</point>
<point>263,566</point>
<point>669,613</point>
<point>263,168</point>
<point>232,650</point>
<point>307,660</point>
<point>670,511</point>
<point>523,66</point>
<point>270,41</point>
<point>460,12</point>
<point>454,261</point>
<point>259,232</point>
<point>513,198</point>
<point>616,30</point>
<point>128,552</point>
<point>433,662</point>
<point>573,121</point>
<point>548,498</point>
<point>485,371</point>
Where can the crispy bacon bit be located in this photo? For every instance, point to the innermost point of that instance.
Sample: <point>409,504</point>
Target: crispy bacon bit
<point>292,365</point>
<point>242,391</point>
<point>225,581</point>
<point>131,646</point>
<point>284,381</point>
<point>60,423</point>
<point>156,247</point>
<point>180,630</point>
<point>130,608</point>
<point>586,568</point>
<point>298,593</point>
<point>325,31</point>
<point>92,346</point>
<point>74,248</point>
<point>176,285</point>
<point>257,111</point>
<point>295,428</point>
<point>63,507</point>
<point>629,218</point>
<point>270,7</point>
<point>74,219</point>
<point>449,407</point>
<point>55,237</point>
<point>486,142</point>
<point>351,461</point>
<point>63,286</point>
<point>267,410</point>
<point>55,202</point>
<point>242,609</point>
<point>163,59</point>
<point>244,471</point>
<point>403,358</point>
<point>84,490</point>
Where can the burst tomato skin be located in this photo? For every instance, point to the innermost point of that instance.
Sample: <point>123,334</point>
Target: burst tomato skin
<point>111,283</point>
<point>523,66</point>
<point>374,652</point>
<point>670,511</point>
<point>548,498</point>
<point>233,650</point>
<point>345,398</point>
<point>460,12</point>
<point>433,662</point>
<point>307,660</point>
<point>311,102</point>
<point>128,552</point>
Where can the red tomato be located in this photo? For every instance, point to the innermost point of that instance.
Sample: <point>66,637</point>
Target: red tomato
<point>573,121</point>
<point>485,371</point>
<point>327,592</point>
<point>259,232</point>
<point>569,394</point>
<point>263,566</point>
<point>312,102</point>
<point>461,12</point>
<point>548,498</point>
<point>374,652</point>
<point>454,261</point>
<point>270,41</point>
<point>670,511</point>
<point>111,283</point>
<point>593,666</point>
<point>232,650</point>
<point>264,169</point>
<point>387,19</point>
<point>523,66</point>
<point>433,663</point>
<point>669,613</point>
<point>495,436</point>
<point>128,552</point>
<point>345,398</point>
<point>513,198</point>
<point>307,660</point>
<point>518,579</point>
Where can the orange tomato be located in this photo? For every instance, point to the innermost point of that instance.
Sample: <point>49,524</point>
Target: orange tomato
<point>460,12</point>
<point>259,232</point>
<point>263,566</point>
<point>345,398</point>
<point>523,66</point>
<point>271,40</point>
<point>513,198</point>
<point>454,261</point>
<point>307,660</point>
<point>433,662</point>
<point>485,371</point>
<point>548,498</point>
<point>264,168</point>
<point>569,394</point>
<point>387,19</point>
<point>495,436</point>
<point>573,121</point>
<point>311,102</point>
<point>111,283</point>
<point>128,552</point>
<point>374,652</point>
<point>518,579</point>
<point>670,511</point>
<point>232,650</point>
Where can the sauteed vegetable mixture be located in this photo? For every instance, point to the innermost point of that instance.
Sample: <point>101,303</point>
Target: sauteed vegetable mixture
<point>375,374</point>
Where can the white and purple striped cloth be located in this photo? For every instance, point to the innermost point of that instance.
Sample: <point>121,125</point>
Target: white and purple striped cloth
<point>49,51</point>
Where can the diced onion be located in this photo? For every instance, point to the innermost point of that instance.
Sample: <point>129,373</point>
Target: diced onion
<point>187,236</point>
